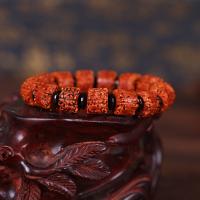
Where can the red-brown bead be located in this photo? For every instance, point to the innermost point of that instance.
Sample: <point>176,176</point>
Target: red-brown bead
<point>32,84</point>
<point>84,79</point>
<point>171,93</point>
<point>43,95</point>
<point>160,90</point>
<point>151,104</point>
<point>97,101</point>
<point>127,81</point>
<point>27,89</point>
<point>63,79</point>
<point>156,85</point>
<point>145,81</point>
<point>68,99</point>
<point>106,79</point>
<point>126,102</point>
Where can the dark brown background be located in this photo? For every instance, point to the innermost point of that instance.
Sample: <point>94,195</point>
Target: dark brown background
<point>158,36</point>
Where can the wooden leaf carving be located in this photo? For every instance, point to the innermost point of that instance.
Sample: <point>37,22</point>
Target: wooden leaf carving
<point>94,169</point>
<point>79,152</point>
<point>41,157</point>
<point>59,183</point>
<point>28,191</point>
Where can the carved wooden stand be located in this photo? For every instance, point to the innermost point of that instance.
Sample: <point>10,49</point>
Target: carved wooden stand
<point>46,155</point>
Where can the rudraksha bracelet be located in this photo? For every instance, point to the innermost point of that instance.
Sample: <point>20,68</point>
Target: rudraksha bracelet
<point>128,94</point>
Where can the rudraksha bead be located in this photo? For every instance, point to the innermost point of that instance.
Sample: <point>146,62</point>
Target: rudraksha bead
<point>45,78</point>
<point>127,81</point>
<point>68,99</point>
<point>97,101</point>
<point>171,93</point>
<point>43,95</point>
<point>27,90</point>
<point>156,85</point>
<point>31,84</point>
<point>106,79</point>
<point>151,104</point>
<point>84,79</point>
<point>159,90</point>
<point>126,102</point>
<point>63,79</point>
<point>144,82</point>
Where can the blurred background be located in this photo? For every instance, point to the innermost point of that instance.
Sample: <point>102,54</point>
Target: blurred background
<point>147,36</point>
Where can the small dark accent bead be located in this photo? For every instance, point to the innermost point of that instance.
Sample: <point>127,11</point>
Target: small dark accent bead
<point>55,99</point>
<point>116,82</point>
<point>95,82</point>
<point>141,105</point>
<point>160,101</point>
<point>111,102</point>
<point>82,101</point>
<point>75,82</point>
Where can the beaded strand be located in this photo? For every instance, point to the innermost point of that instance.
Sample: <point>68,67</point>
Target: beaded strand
<point>129,94</point>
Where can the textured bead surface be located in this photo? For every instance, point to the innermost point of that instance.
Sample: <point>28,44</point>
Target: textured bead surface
<point>127,81</point>
<point>106,79</point>
<point>159,89</point>
<point>30,86</point>
<point>43,95</point>
<point>27,90</point>
<point>145,81</point>
<point>126,102</point>
<point>171,93</point>
<point>84,79</point>
<point>63,79</point>
<point>97,101</point>
<point>156,85</point>
<point>45,79</point>
<point>151,104</point>
<point>68,99</point>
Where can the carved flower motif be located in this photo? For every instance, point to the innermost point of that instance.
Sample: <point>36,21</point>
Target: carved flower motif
<point>78,160</point>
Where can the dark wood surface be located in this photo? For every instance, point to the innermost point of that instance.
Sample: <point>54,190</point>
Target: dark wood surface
<point>179,129</point>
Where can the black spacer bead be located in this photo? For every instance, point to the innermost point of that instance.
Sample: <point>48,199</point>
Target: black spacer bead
<point>160,101</point>
<point>75,81</point>
<point>111,102</point>
<point>82,101</point>
<point>95,82</point>
<point>55,99</point>
<point>116,83</point>
<point>141,105</point>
